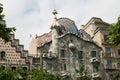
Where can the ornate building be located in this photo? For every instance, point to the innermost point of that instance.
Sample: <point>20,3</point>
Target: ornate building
<point>65,49</point>
<point>98,31</point>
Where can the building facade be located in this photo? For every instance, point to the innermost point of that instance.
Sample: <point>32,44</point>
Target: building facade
<point>66,49</point>
<point>98,30</point>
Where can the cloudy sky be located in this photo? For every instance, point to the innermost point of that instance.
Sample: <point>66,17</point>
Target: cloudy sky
<point>32,17</point>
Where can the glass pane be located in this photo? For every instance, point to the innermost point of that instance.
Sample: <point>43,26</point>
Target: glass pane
<point>93,53</point>
<point>118,51</point>
<point>62,53</point>
<point>64,66</point>
<point>80,54</point>
<point>105,38</point>
<point>107,50</point>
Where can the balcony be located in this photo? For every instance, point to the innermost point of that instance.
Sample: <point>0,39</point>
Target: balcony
<point>94,60</point>
<point>96,76</point>
<point>110,67</point>
<point>49,56</point>
<point>71,46</point>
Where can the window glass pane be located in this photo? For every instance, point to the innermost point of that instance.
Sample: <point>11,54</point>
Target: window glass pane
<point>49,66</point>
<point>118,51</point>
<point>64,66</point>
<point>62,53</point>
<point>93,53</point>
<point>105,38</point>
<point>107,50</point>
<point>95,69</point>
<point>80,54</point>
<point>109,63</point>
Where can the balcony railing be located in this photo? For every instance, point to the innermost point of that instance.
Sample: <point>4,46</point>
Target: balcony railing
<point>96,76</point>
<point>110,67</point>
<point>49,56</point>
<point>94,60</point>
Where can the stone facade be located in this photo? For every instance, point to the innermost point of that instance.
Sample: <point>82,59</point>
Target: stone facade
<point>65,49</point>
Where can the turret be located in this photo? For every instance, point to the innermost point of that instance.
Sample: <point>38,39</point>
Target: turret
<point>54,30</point>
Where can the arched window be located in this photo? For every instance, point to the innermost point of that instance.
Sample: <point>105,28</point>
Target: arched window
<point>2,55</point>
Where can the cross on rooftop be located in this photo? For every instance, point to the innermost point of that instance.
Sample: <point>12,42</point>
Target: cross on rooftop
<point>54,13</point>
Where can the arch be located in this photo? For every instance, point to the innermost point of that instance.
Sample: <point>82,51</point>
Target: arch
<point>24,68</point>
<point>2,55</point>
<point>13,68</point>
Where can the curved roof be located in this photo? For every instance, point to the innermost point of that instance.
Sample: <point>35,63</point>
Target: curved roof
<point>84,35</point>
<point>67,26</point>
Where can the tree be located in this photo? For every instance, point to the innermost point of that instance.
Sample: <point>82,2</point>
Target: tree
<point>83,74</point>
<point>114,33</point>
<point>40,74</point>
<point>116,75</point>
<point>22,74</point>
<point>7,74</point>
<point>4,30</point>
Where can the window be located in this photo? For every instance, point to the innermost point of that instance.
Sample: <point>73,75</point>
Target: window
<point>2,55</point>
<point>63,67</point>
<point>109,63</point>
<point>93,53</point>
<point>95,69</point>
<point>49,66</point>
<point>62,53</point>
<point>105,38</point>
<point>107,50</point>
<point>80,54</point>
<point>118,51</point>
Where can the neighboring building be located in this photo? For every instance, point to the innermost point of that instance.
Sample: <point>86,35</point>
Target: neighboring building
<point>12,54</point>
<point>65,49</point>
<point>98,30</point>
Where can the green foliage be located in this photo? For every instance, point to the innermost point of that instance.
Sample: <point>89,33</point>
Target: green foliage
<point>83,74</point>
<point>40,74</point>
<point>23,74</point>
<point>116,75</point>
<point>7,74</point>
<point>4,30</point>
<point>114,33</point>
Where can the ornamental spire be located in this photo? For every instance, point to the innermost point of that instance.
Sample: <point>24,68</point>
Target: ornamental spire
<point>55,23</point>
<point>55,13</point>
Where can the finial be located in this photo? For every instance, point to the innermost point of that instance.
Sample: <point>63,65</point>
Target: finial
<point>54,13</point>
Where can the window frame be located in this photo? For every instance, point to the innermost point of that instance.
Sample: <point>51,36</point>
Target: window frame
<point>80,54</point>
<point>92,54</point>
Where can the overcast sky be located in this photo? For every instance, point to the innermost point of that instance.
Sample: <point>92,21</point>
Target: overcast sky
<point>32,17</point>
